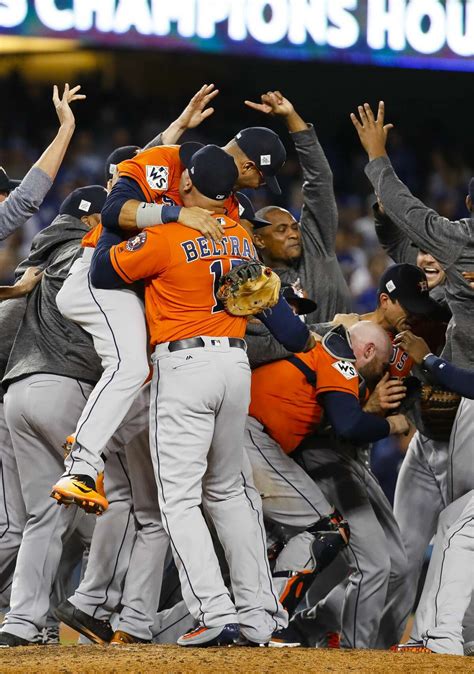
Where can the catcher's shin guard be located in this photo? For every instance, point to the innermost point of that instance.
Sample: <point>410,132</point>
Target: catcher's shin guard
<point>331,534</point>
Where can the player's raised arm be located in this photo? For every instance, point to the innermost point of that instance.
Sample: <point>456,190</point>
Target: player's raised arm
<point>25,200</point>
<point>192,116</point>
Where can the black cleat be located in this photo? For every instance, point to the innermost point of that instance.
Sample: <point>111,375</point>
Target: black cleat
<point>98,631</point>
<point>9,640</point>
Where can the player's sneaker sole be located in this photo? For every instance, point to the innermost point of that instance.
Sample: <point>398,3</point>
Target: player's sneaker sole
<point>204,637</point>
<point>417,647</point>
<point>80,490</point>
<point>98,631</point>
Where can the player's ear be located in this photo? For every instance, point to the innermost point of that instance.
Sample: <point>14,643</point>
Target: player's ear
<point>186,182</point>
<point>369,351</point>
<point>469,204</point>
<point>258,241</point>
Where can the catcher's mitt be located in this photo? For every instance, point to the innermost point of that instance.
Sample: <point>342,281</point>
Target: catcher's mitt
<point>431,408</point>
<point>248,289</point>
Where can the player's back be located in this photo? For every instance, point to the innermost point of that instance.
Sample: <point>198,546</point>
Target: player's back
<point>181,301</point>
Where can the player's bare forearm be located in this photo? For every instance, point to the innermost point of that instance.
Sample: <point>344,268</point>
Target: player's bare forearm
<point>295,123</point>
<point>128,214</point>
<point>173,133</point>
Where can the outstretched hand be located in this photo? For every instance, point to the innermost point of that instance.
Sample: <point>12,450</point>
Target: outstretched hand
<point>63,110</point>
<point>372,132</point>
<point>196,111</point>
<point>272,103</point>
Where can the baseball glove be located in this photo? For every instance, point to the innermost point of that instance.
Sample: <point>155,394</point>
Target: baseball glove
<point>248,289</point>
<point>438,409</point>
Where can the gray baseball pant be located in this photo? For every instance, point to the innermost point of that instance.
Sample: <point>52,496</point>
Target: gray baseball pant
<point>460,471</point>
<point>375,608</point>
<point>199,403</point>
<point>41,411</point>
<point>12,513</point>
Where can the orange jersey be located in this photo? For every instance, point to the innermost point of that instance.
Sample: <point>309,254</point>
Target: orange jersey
<point>287,405</point>
<point>158,173</point>
<point>181,270</point>
<point>400,363</point>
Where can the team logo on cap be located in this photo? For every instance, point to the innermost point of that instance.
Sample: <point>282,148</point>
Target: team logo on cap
<point>84,205</point>
<point>423,286</point>
<point>112,168</point>
<point>265,159</point>
<point>136,242</point>
<point>157,177</point>
<point>390,285</point>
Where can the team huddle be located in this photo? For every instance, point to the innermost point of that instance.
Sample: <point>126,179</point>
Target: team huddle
<point>190,370</point>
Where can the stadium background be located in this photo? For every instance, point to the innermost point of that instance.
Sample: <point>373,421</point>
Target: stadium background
<point>136,85</point>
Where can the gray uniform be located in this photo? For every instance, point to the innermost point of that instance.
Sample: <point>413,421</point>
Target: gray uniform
<point>50,372</point>
<point>433,473</point>
<point>318,270</point>
<point>24,201</point>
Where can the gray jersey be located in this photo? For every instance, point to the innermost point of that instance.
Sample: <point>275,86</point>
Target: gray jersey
<point>24,201</point>
<point>46,342</point>
<point>318,270</point>
<point>451,243</point>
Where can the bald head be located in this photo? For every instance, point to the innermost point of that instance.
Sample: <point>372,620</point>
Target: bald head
<point>372,348</point>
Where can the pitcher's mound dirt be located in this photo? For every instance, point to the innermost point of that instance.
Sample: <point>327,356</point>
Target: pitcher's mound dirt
<point>176,660</point>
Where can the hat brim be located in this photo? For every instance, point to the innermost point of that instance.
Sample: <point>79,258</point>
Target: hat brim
<point>187,150</point>
<point>257,222</point>
<point>272,183</point>
<point>420,307</point>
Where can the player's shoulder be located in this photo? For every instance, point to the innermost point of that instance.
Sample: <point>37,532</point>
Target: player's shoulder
<point>161,153</point>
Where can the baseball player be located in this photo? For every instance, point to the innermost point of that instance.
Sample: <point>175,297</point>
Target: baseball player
<point>449,585</point>
<point>51,369</point>
<point>193,334</point>
<point>25,200</point>
<point>451,244</point>
<point>147,192</point>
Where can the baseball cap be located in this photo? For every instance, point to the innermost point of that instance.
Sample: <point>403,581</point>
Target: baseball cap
<point>247,211</point>
<point>303,304</point>
<point>408,284</point>
<point>118,155</point>
<point>6,183</point>
<point>212,171</point>
<point>84,201</point>
<point>264,147</point>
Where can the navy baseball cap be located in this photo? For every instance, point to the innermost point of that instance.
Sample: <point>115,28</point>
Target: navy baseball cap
<point>118,155</point>
<point>84,201</point>
<point>6,183</point>
<point>296,298</point>
<point>264,147</point>
<point>247,211</point>
<point>408,284</point>
<point>212,171</point>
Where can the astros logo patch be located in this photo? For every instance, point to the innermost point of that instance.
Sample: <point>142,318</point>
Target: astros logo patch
<point>157,177</point>
<point>137,242</point>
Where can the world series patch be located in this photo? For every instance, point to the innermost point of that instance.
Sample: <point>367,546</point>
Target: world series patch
<point>157,177</point>
<point>136,243</point>
<point>346,369</point>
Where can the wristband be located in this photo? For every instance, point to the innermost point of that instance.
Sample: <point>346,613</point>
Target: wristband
<point>148,215</point>
<point>425,364</point>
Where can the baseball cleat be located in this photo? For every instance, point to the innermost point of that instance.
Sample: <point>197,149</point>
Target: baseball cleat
<point>121,638</point>
<point>81,490</point>
<point>411,647</point>
<point>9,640</point>
<point>98,631</point>
<point>50,636</point>
<point>469,648</point>
<point>225,635</point>
<point>289,637</point>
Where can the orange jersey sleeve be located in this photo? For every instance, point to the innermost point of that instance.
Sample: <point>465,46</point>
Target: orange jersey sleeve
<point>333,374</point>
<point>90,239</point>
<point>157,171</point>
<point>182,269</point>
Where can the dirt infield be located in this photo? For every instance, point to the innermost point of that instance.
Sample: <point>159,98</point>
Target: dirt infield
<point>176,660</point>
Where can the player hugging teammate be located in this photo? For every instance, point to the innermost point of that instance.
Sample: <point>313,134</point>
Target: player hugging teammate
<point>217,402</point>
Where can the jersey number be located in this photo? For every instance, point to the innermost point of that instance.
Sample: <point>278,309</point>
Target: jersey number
<point>217,270</point>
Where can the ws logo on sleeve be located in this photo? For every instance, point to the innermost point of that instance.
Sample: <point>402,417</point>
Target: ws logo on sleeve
<point>157,177</point>
<point>346,369</point>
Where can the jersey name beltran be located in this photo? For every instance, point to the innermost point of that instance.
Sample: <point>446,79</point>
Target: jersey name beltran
<point>199,248</point>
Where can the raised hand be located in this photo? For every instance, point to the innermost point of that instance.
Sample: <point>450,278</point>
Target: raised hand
<point>273,103</point>
<point>63,110</point>
<point>196,110</point>
<point>372,132</point>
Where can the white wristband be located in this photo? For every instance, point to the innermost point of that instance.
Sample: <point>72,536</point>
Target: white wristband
<point>148,215</point>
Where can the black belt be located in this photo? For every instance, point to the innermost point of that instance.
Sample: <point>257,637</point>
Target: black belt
<point>198,342</point>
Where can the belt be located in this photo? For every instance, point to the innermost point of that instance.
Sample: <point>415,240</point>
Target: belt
<point>198,342</point>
